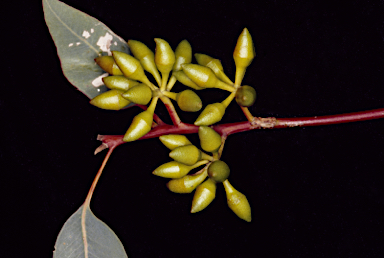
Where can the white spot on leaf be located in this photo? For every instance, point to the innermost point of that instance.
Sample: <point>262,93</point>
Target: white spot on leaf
<point>115,43</point>
<point>70,45</point>
<point>86,34</point>
<point>92,30</point>
<point>104,43</point>
<point>78,43</point>
<point>97,82</point>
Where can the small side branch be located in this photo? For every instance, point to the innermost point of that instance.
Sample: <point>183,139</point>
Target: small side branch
<point>171,110</point>
<point>247,114</point>
<point>220,151</point>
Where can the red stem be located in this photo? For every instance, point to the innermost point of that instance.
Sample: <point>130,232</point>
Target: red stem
<point>258,123</point>
<point>333,119</point>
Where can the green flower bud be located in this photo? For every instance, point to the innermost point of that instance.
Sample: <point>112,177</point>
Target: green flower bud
<point>204,195</point>
<point>245,96</point>
<point>107,63</point>
<point>243,54</point>
<point>111,100</point>
<point>188,101</point>
<point>140,94</point>
<point>184,79</point>
<point>183,54</point>
<point>204,60</point>
<point>130,67</point>
<point>204,77</point>
<point>172,169</point>
<point>215,66</point>
<point>211,114</point>
<point>164,56</point>
<point>237,202</point>
<point>140,126</point>
<point>187,183</point>
<point>172,141</point>
<point>218,171</point>
<point>210,140</point>
<point>146,58</point>
<point>119,82</point>
<point>187,155</point>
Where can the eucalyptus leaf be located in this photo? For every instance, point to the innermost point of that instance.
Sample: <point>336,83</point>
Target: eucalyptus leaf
<point>79,39</point>
<point>84,235</point>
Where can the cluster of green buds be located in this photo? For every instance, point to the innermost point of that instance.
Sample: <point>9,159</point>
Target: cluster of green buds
<point>187,157</point>
<point>128,83</point>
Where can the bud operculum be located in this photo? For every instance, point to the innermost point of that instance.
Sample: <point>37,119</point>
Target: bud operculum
<point>107,63</point>
<point>172,141</point>
<point>204,195</point>
<point>210,140</point>
<point>237,202</point>
<point>141,123</point>
<point>189,101</point>
<point>110,100</point>
<point>187,155</point>
<point>187,183</point>
<point>140,94</point>
<point>119,82</point>
<point>212,113</point>
<point>130,67</point>
<point>183,55</point>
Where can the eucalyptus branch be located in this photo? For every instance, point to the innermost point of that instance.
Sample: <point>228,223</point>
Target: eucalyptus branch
<point>257,123</point>
<point>128,83</point>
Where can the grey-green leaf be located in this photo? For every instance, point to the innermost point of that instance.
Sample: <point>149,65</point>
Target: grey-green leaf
<point>79,39</point>
<point>90,238</point>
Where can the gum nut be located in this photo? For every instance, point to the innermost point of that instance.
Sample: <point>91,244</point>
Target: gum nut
<point>140,94</point>
<point>189,101</point>
<point>164,56</point>
<point>172,141</point>
<point>111,100</point>
<point>140,126</point>
<point>187,183</point>
<point>184,79</point>
<point>211,114</point>
<point>245,96</point>
<point>204,195</point>
<point>130,66</point>
<point>107,63</point>
<point>183,55</point>
<point>119,82</point>
<point>210,140</point>
<point>218,171</point>
<point>172,169</point>
<point>237,202</point>
<point>201,75</point>
<point>187,155</point>
<point>244,51</point>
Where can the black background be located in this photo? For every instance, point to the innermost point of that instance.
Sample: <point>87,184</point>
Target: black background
<point>314,192</point>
